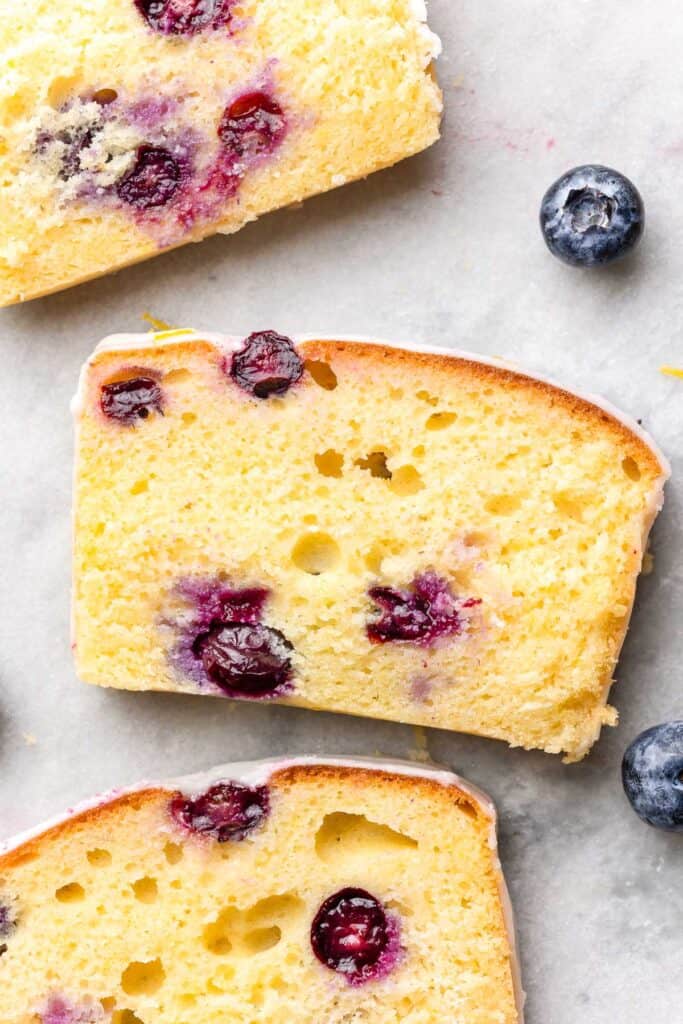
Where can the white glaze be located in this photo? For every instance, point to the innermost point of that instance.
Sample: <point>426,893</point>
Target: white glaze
<point>258,773</point>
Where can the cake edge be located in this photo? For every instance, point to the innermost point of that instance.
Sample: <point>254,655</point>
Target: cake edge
<point>260,772</point>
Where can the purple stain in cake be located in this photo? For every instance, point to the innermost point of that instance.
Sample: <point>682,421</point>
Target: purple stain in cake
<point>422,614</point>
<point>267,364</point>
<point>153,179</point>
<point>353,934</point>
<point>60,1010</point>
<point>252,125</point>
<point>227,812</point>
<point>8,923</point>
<point>222,641</point>
<point>128,401</point>
<point>185,17</point>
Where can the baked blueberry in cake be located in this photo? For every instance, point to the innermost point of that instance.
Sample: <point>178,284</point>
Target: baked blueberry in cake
<point>133,126</point>
<point>358,527</point>
<point>299,890</point>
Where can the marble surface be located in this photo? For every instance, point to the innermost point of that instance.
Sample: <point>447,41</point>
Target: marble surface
<point>444,249</point>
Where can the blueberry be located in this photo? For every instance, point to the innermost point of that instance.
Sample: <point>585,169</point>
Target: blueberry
<point>8,922</point>
<point>652,773</point>
<point>131,400</point>
<point>226,812</point>
<point>245,658</point>
<point>591,216</point>
<point>268,364</point>
<point>423,613</point>
<point>184,17</point>
<point>352,934</point>
<point>253,124</point>
<point>152,180</point>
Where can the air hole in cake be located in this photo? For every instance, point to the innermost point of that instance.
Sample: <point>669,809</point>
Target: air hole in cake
<point>108,1003</point>
<point>73,892</point>
<point>146,890</point>
<point>342,836</point>
<point>376,464</point>
<point>99,858</point>
<point>131,399</point>
<point>125,1016</point>
<point>179,376</point>
<point>142,978</point>
<point>261,939</point>
<point>441,420</point>
<point>354,935</point>
<point>139,487</point>
<point>216,938</point>
<point>570,506</point>
<point>185,17</point>
<point>322,373</point>
<point>425,396</point>
<point>228,811</point>
<point>330,463</point>
<point>423,613</point>
<point>503,504</point>
<point>631,468</point>
<point>406,481</point>
<point>173,853</point>
<point>267,365</point>
<point>316,553</point>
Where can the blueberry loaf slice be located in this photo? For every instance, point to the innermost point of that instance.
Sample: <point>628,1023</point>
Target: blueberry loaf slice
<point>270,893</point>
<point>412,535</point>
<point>131,126</point>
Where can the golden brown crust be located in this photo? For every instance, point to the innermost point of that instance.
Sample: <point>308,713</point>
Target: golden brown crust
<point>581,408</point>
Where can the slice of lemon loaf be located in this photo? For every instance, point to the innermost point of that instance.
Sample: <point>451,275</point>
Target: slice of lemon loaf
<point>352,526</point>
<point>131,126</point>
<point>282,891</point>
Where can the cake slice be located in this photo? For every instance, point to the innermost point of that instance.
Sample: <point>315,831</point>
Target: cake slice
<point>133,126</point>
<point>411,535</point>
<point>283,891</point>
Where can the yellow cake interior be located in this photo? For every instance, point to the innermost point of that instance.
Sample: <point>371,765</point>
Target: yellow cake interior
<point>125,917</point>
<point>353,77</point>
<point>380,465</point>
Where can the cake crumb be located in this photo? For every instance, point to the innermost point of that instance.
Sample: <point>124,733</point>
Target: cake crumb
<point>421,752</point>
<point>648,563</point>
<point>29,739</point>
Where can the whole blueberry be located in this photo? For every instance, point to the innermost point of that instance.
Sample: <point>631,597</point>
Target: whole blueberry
<point>652,773</point>
<point>592,215</point>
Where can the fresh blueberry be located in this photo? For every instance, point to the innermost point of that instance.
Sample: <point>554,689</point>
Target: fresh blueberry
<point>245,658</point>
<point>131,400</point>
<point>353,934</point>
<point>228,811</point>
<point>152,180</point>
<point>268,364</point>
<point>652,773</point>
<point>591,216</point>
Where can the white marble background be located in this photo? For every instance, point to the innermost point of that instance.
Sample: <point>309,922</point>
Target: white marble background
<point>444,249</point>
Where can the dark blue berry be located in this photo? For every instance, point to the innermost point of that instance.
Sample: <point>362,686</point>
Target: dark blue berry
<point>350,932</point>
<point>591,216</point>
<point>131,400</point>
<point>652,773</point>
<point>8,923</point>
<point>152,180</point>
<point>226,812</point>
<point>184,17</point>
<point>268,364</point>
<point>253,124</point>
<point>243,657</point>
